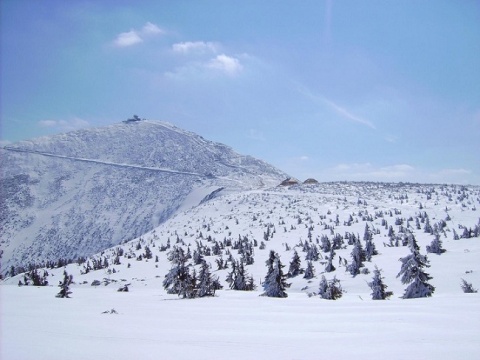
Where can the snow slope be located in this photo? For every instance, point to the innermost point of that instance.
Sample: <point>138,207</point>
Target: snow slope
<point>74,194</point>
<point>151,323</point>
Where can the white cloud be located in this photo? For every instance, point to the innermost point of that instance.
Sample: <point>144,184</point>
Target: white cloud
<point>226,64</point>
<point>64,125</point>
<point>194,47</point>
<point>151,29</point>
<point>134,36</point>
<point>127,39</point>
<point>221,64</point>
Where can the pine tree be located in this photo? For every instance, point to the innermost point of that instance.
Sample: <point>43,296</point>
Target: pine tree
<point>435,246</point>
<point>322,287</point>
<point>330,290</point>
<point>275,281</point>
<point>270,261</point>
<point>312,253</point>
<point>37,279</point>
<point>378,287</point>
<point>238,279</point>
<point>231,275</point>
<point>178,280</point>
<point>295,266</point>
<point>309,271</point>
<point>12,271</point>
<point>329,267</point>
<point>206,283</point>
<point>467,287</point>
<point>358,256</point>
<point>148,253</point>
<point>325,244</point>
<point>412,272</point>
<point>370,249</point>
<point>65,286</point>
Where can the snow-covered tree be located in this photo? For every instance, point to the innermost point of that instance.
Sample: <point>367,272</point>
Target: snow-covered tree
<point>358,256</point>
<point>312,253</point>
<point>295,266</point>
<point>309,271</point>
<point>148,253</point>
<point>325,244</point>
<point>329,267</point>
<point>370,249</point>
<point>435,246</point>
<point>467,287</point>
<point>378,287</point>
<point>238,279</point>
<point>275,282</point>
<point>271,259</point>
<point>65,286</point>
<point>367,235</point>
<point>37,278</point>
<point>330,290</point>
<point>206,283</point>
<point>178,280</point>
<point>412,272</point>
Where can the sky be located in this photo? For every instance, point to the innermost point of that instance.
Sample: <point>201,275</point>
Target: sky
<point>373,90</point>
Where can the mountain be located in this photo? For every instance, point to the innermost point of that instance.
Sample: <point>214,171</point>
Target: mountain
<point>75,194</point>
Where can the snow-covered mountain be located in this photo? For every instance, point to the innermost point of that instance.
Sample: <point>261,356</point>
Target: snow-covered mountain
<point>75,194</point>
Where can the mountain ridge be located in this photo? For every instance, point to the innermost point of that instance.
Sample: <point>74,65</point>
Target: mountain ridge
<point>74,194</point>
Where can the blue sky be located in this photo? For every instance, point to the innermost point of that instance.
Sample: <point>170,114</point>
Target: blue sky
<point>336,90</point>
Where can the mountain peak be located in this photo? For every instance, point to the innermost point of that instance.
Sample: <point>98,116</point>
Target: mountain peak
<point>76,193</point>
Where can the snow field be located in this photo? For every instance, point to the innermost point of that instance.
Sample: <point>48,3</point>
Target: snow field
<point>151,324</point>
<point>234,325</point>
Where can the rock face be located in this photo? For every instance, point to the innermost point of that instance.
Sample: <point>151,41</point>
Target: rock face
<point>75,194</point>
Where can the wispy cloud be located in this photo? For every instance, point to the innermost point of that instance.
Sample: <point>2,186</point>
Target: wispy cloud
<point>195,47</point>
<point>151,29</point>
<point>341,110</point>
<point>227,64</point>
<point>64,125</point>
<point>347,114</point>
<point>134,36</point>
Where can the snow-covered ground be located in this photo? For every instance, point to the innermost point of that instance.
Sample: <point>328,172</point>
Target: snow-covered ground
<point>234,325</point>
<point>151,324</point>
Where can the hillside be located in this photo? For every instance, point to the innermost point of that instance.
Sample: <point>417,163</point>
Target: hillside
<point>299,219</point>
<point>146,321</point>
<point>75,194</point>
